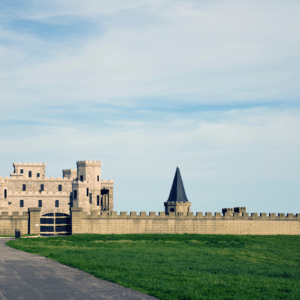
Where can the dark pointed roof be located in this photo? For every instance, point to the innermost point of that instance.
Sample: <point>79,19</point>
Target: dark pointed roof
<point>177,192</point>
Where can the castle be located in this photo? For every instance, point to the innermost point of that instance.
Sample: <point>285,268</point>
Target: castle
<point>81,202</point>
<point>81,187</point>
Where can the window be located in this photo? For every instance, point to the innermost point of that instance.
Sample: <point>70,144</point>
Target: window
<point>42,187</point>
<point>21,203</point>
<point>75,194</point>
<point>40,203</point>
<point>5,193</point>
<point>59,187</point>
<point>101,201</point>
<point>172,209</point>
<point>81,178</point>
<point>38,174</point>
<point>21,171</point>
<point>24,187</point>
<point>90,198</point>
<point>56,203</point>
<point>87,192</point>
<point>98,200</point>
<point>29,174</point>
<point>98,178</point>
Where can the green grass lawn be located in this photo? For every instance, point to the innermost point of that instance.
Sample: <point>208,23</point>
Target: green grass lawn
<point>187,266</point>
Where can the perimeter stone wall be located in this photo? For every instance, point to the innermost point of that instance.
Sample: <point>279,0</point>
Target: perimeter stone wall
<point>107,223</point>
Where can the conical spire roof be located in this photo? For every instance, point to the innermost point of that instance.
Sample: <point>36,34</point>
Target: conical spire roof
<point>177,192</point>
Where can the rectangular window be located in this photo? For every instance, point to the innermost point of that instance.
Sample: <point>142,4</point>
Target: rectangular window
<point>24,187</point>
<point>59,187</point>
<point>81,178</point>
<point>90,198</point>
<point>38,174</point>
<point>5,193</point>
<point>21,203</point>
<point>56,203</point>
<point>21,171</point>
<point>98,200</point>
<point>98,178</point>
<point>75,194</point>
<point>87,192</point>
<point>40,203</point>
<point>42,187</point>
<point>29,174</point>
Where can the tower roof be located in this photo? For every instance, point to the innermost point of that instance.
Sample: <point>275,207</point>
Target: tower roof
<point>177,193</point>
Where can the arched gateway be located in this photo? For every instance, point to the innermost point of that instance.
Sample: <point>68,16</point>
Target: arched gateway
<point>55,224</point>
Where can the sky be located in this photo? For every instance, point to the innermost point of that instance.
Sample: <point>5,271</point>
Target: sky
<point>144,86</point>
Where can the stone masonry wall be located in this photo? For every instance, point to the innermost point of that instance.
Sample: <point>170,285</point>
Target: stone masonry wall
<point>108,223</point>
<point>11,221</point>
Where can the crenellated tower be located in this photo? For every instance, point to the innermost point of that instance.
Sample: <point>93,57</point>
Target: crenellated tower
<point>89,192</point>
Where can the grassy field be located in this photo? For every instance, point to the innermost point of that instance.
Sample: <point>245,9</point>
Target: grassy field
<point>187,266</point>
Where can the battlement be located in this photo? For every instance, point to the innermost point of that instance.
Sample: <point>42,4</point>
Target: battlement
<point>186,203</point>
<point>88,162</point>
<point>5,214</point>
<point>190,215</point>
<point>29,164</point>
<point>107,181</point>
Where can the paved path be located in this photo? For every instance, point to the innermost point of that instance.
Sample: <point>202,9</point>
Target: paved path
<point>25,276</point>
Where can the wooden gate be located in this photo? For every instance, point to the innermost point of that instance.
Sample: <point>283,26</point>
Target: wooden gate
<point>55,224</point>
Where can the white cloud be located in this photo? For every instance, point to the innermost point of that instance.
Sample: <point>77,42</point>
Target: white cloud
<point>231,50</point>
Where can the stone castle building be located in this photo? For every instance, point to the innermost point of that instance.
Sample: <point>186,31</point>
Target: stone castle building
<point>80,202</point>
<point>81,187</point>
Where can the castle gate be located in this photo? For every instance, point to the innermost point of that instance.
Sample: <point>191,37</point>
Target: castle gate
<point>55,224</point>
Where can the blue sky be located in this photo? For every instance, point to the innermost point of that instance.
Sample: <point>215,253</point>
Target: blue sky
<point>142,85</point>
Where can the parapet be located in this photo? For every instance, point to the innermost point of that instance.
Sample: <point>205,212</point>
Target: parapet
<point>13,214</point>
<point>191,216</point>
<point>29,164</point>
<point>88,162</point>
<point>107,181</point>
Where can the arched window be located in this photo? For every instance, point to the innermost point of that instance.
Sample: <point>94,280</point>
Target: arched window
<point>40,203</point>
<point>172,209</point>
<point>24,187</point>
<point>59,187</point>
<point>81,178</point>
<point>98,177</point>
<point>5,193</point>
<point>56,203</point>
<point>21,203</point>
<point>98,200</point>
<point>42,187</point>
<point>29,174</point>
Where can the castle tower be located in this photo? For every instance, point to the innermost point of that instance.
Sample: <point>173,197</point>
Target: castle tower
<point>87,187</point>
<point>177,201</point>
